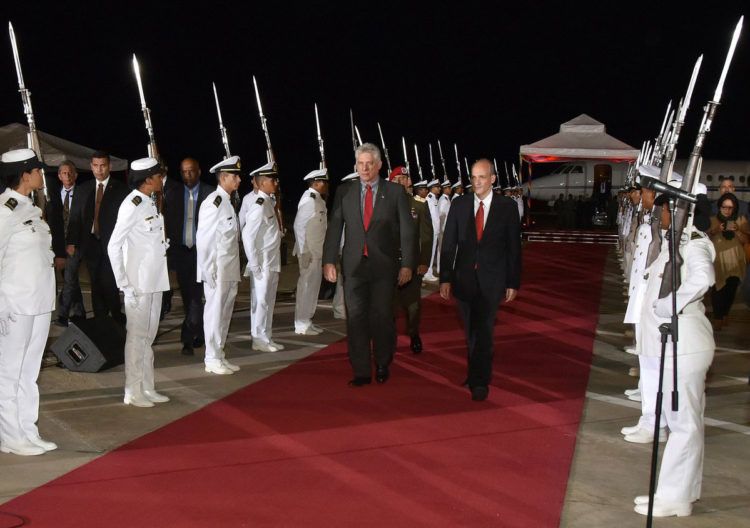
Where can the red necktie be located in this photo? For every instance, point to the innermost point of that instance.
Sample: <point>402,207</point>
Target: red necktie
<point>368,210</point>
<point>479,221</point>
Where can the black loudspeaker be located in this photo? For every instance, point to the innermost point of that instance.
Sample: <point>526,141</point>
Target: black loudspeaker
<point>91,345</point>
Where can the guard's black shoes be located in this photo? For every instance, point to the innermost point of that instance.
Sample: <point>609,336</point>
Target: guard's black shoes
<point>416,344</point>
<point>382,374</point>
<point>187,350</point>
<point>359,381</point>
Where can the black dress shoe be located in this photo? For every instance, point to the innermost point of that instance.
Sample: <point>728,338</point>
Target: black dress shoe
<point>382,374</point>
<point>187,350</point>
<point>359,381</point>
<point>416,344</point>
<point>198,342</point>
<point>62,321</point>
<point>479,393</point>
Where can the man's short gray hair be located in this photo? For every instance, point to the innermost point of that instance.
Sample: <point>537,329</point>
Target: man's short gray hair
<point>67,163</point>
<point>369,148</point>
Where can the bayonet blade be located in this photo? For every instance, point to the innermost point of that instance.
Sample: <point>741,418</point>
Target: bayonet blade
<point>257,98</point>
<point>16,56</point>
<point>218,108</point>
<point>728,60</point>
<point>689,94</point>
<point>137,70</point>
<point>359,138</point>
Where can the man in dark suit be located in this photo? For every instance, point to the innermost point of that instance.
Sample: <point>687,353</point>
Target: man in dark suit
<point>374,216</point>
<point>65,199</point>
<point>90,229</point>
<point>182,203</point>
<point>481,266</point>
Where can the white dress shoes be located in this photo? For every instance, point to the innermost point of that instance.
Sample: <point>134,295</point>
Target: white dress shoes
<point>230,366</point>
<point>138,400</point>
<point>630,349</point>
<point>635,397</point>
<point>630,429</point>
<point>152,395</point>
<point>307,331</point>
<point>218,369</point>
<point>645,436</point>
<point>47,446</point>
<point>263,347</point>
<point>663,508</point>
<point>24,449</point>
<point>317,328</point>
<point>277,346</point>
<point>631,392</point>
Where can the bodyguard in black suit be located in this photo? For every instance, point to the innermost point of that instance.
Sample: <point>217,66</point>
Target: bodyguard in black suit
<point>481,266</point>
<point>375,218</point>
<point>89,232</point>
<point>182,224</point>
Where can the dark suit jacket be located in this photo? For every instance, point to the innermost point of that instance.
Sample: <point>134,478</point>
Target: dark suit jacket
<point>54,216</point>
<point>487,267</point>
<point>174,211</point>
<point>391,232</point>
<point>420,212</point>
<point>79,225</point>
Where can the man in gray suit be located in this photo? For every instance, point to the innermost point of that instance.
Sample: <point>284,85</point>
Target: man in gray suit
<point>375,216</point>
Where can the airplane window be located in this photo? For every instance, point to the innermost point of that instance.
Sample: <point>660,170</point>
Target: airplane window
<point>742,179</point>
<point>710,177</point>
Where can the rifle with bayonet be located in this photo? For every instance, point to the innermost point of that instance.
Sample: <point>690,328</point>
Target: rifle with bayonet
<point>458,163</point>
<point>153,151</point>
<point>320,140</point>
<point>355,133</point>
<point>222,128</point>
<point>406,156</point>
<point>691,172</point>
<point>269,153</point>
<point>32,138</point>
<point>385,149</point>
<point>432,163</point>
<point>442,161</point>
<point>670,153</point>
<point>419,167</point>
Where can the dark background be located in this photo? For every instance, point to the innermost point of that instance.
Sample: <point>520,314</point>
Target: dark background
<point>488,77</point>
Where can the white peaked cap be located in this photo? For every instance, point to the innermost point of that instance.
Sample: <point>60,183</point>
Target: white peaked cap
<point>433,183</point>
<point>350,177</point>
<point>231,164</point>
<point>14,156</point>
<point>143,164</point>
<point>269,169</point>
<point>317,174</point>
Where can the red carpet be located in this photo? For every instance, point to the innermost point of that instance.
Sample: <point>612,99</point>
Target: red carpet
<point>302,449</point>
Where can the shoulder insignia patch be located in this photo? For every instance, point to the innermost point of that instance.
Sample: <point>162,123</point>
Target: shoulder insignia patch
<point>260,201</point>
<point>696,236</point>
<point>312,195</point>
<point>137,200</point>
<point>11,204</point>
<point>217,201</point>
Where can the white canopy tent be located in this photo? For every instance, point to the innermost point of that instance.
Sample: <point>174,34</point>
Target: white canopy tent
<point>55,150</point>
<point>581,138</point>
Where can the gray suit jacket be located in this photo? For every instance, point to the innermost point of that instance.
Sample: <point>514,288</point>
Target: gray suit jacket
<point>391,233</point>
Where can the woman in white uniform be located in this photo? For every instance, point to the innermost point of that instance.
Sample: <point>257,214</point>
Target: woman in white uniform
<point>27,298</point>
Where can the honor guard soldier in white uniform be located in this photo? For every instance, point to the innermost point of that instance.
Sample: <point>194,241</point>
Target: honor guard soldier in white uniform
<point>458,189</point>
<point>338,304</point>
<point>138,252</point>
<point>27,298</point>
<point>217,243</point>
<point>261,238</point>
<point>309,234</point>
<point>433,202</point>
<point>681,470</point>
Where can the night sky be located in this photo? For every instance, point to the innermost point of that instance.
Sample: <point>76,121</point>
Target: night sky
<point>485,75</point>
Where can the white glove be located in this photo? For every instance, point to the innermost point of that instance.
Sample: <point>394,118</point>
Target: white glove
<point>5,319</point>
<point>304,260</point>
<point>131,299</point>
<point>663,307</point>
<point>209,278</point>
<point>166,244</point>
<point>257,273</point>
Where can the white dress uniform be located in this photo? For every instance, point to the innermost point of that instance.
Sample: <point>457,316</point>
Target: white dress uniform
<point>433,205</point>
<point>309,233</point>
<point>338,304</point>
<point>218,249</point>
<point>648,368</point>
<point>27,298</point>
<point>681,472</point>
<point>261,238</point>
<point>138,252</point>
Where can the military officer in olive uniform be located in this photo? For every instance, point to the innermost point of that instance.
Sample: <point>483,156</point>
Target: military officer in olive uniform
<point>137,250</point>
<point>409,296</point>
<point>218,247</point>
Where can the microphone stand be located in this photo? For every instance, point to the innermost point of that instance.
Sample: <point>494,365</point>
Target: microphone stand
<point>667,330</point>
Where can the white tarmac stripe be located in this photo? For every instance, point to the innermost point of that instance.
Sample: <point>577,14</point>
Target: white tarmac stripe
<point>721,424</point>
